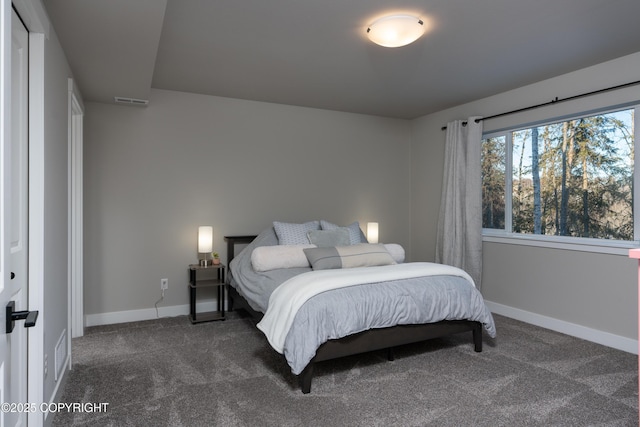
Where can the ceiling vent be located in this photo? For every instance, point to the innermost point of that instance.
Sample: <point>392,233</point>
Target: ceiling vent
<point>131,101</point>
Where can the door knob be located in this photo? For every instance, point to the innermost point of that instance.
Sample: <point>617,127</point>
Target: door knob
<point>29,317</point>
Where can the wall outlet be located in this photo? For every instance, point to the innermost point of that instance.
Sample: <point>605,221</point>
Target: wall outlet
<point>164,284</point>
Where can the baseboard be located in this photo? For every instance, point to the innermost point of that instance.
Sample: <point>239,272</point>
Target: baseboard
<point>578,331</point>
<point>145,314</point>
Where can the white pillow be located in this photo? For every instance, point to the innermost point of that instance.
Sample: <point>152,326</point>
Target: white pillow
<point>396,251</point>
<point>264,258</point>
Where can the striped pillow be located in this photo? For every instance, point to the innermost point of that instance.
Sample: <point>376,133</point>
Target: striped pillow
<point>358,255</point>
<point>294,234</point>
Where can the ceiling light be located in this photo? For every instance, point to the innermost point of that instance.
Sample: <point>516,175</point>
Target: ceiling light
<point>395,30</point>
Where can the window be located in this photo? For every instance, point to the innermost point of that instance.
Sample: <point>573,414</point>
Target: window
<point>572,178</point>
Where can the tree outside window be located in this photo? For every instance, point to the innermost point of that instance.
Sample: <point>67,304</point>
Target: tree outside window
<point>571,178</point>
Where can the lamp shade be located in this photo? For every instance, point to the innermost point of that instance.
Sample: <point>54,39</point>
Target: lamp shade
<point>395,30</point>
<point>372,232</point>
<point>205,238</point>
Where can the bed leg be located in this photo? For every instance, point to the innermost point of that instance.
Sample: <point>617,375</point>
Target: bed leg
<point>304,378</point>
<point>390,356</point>
<point>477,337</point>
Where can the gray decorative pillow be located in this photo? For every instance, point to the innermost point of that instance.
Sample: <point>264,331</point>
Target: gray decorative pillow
<point>294,234</point>
<point>328,238</point>
<point>358,255</point>
<point>355,233</point>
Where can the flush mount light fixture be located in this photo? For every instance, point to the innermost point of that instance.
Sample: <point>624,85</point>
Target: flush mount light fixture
<point>395,30</point>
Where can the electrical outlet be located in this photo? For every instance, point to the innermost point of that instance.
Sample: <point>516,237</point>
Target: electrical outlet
<point>164,284</point>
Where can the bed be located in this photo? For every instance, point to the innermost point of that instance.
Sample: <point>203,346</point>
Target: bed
<point>312,311</point>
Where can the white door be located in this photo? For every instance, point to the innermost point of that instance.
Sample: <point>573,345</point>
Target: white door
<point>13,234</point>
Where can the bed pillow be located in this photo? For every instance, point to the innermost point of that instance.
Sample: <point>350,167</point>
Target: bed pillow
<point>358,255</point>
<point>355,233</point>
<point>328,238</point>
<point>294,234</point>
<point>265,258</point>
<point>396,251</point>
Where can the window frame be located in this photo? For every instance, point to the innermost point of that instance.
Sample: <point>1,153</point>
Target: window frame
<point>584,244</point>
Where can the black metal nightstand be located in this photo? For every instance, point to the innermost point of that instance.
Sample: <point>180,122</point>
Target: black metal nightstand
<point>206,277</point>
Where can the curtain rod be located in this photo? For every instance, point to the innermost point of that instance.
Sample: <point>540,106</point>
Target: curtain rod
<point>554,101</point>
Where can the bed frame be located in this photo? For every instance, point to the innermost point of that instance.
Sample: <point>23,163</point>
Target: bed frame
<point>371,340</point>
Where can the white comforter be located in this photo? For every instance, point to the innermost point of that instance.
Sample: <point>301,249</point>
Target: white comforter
<point>287,299</point>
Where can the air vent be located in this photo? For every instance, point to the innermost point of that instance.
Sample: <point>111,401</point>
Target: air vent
<point>131,101</point>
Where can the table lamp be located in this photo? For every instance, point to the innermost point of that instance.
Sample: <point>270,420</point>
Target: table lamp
<point>205,243</point>
<point>372,232</point>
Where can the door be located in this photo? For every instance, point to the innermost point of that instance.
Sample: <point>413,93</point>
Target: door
<point>13,234</point>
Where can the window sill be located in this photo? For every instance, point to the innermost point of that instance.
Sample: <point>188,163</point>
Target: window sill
<point>611,247</point>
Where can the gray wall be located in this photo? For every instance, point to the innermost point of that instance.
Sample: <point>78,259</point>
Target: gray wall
<point>153,174</point>
<point>598,291</point>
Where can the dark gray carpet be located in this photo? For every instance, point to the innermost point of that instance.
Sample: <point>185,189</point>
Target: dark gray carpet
<point>168,372</point>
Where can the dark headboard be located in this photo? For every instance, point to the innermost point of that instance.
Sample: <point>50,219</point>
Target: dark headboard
<point>236,300</point>
<point>232,241</point>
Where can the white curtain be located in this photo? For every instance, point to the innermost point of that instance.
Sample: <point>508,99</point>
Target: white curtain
<point>459,237</point>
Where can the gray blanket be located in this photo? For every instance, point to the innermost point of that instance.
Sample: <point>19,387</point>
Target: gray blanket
<point>346,311</point>
<point>254,286</point>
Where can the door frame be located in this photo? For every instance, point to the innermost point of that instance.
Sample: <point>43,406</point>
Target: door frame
<point>35,366</point>
<point>35,19</point>
<point>75,179</point>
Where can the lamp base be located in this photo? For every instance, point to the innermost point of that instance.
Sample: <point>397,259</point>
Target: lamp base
<point>206,262</point>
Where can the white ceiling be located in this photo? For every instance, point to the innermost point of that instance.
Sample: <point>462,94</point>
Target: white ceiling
<point>315,53</point>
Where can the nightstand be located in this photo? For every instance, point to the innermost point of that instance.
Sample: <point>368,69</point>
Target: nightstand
<point>206,277</point>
